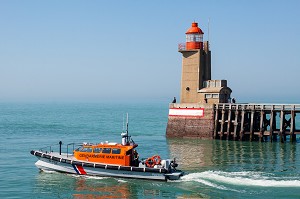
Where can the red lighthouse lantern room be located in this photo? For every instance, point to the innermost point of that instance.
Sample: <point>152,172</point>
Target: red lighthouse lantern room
<point>194,37</point>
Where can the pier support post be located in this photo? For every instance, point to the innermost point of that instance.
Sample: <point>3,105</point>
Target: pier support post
<point>216,121</point>
<point>242,131</point>
<point>281,124</point>
<point>229,122</point>
<point>222,122</point>
<point>251,123</point>
<point>235,123</point>
<point>261,127</point>
<point>292,125</point>
<point>271,123</point>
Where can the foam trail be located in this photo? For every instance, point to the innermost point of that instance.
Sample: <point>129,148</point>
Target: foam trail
<point>88,177</point>
<point>94,177</point>
<point>196,178</point>
<point>47,171</point>
<point>216,186</point>
<point>242,179</point>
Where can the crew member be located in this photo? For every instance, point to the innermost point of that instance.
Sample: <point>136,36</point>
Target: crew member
<point>135,158</point>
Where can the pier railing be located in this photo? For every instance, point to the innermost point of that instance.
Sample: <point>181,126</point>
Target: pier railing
<point>256,121</point>
<point>241,106</point>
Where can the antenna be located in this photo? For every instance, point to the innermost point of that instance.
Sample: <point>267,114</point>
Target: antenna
<point>125,137</point>
<point>208,28</point>
<point>127,126</point>
<point>123,129</point>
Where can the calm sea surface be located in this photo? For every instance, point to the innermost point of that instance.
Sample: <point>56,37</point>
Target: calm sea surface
<point>215,169</point>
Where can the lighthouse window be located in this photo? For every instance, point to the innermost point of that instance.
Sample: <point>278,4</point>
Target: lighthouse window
<point>194,37</point>
<point>106,150</point>
<point>199,38</point>
<point>190,37</point>
<point>116,151</point>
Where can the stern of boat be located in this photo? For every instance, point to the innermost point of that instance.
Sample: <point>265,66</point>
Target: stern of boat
<point>174,175</point>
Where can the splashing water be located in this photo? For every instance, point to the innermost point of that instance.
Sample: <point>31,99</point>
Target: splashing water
<point>260,179</point>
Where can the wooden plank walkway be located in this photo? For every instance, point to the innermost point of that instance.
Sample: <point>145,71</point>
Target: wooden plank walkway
<point>256,122</point>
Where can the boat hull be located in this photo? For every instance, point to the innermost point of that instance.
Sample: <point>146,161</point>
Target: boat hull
<point>50,162</point>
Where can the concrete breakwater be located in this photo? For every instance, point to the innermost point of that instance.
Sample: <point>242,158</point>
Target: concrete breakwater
<point>253,122</point>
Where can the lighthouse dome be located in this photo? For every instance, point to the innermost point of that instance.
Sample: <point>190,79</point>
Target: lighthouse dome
<point>194,29</point>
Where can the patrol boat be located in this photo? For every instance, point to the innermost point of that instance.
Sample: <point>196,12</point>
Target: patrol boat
<point>107,159</point>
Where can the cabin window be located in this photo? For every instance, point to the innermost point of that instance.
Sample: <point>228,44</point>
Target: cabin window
<point>116,151</point>
<point>97,150</point>
<point>79,149</point>
<point>86,149</point>
<point>106,150</point>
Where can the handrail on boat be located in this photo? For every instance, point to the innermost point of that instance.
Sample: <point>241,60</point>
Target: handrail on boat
<point>50,147</point>
<point>73,144</point>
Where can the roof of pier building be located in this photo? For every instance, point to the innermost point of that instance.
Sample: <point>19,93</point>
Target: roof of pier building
<point>215,90</point>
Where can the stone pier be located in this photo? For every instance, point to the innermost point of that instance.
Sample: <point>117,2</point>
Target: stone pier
<point>252,122</point>
<point>187,124</point>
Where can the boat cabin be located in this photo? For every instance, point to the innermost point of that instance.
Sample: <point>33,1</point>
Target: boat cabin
<point>108,153</point>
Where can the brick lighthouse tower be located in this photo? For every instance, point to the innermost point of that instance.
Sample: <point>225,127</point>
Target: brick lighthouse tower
<point>194,115</point>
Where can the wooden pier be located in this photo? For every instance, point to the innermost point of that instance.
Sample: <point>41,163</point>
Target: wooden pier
<point>256,122</point>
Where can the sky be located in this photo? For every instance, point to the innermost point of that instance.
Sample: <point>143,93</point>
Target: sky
<point>96,51</point>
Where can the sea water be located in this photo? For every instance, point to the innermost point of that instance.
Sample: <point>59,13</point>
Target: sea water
<point>214,168</point>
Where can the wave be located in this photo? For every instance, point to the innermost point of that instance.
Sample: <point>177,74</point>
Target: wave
<point>258,179</point>
<point>47,171</point>
<point>88,177</point>
<point>122,181</point>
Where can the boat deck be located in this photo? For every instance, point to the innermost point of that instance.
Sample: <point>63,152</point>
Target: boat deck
<point>68,156</point>
<point>71,157</point>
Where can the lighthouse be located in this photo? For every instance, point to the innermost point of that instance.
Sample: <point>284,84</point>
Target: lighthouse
<point>194,37</point>
<point>196,83</point>
<point>193,116</point>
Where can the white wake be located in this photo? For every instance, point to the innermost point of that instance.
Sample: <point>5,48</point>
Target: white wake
<point>214,178</point>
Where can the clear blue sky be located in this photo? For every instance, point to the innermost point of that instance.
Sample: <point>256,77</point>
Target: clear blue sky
<point>127,50</point>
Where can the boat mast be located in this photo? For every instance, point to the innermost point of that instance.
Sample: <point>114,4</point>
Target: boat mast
<point>125,136</point>
<point>127,141</point>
